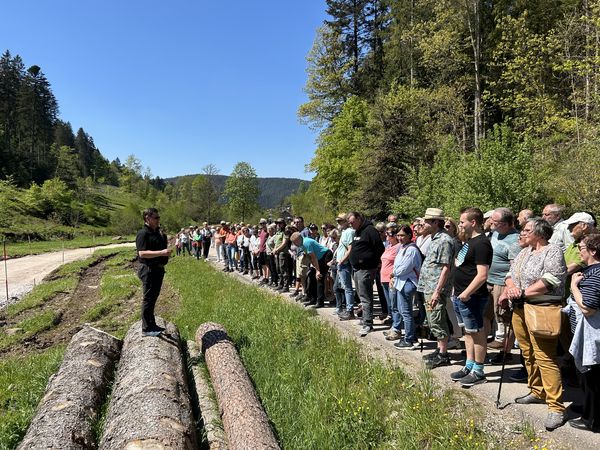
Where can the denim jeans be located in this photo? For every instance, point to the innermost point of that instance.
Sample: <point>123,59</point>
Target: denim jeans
<point>231,256</point>
<point>345,283</point>
<point>391,296</point>
<point>404,311</point>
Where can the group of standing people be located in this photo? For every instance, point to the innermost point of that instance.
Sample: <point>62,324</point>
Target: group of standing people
<point>489,279</point>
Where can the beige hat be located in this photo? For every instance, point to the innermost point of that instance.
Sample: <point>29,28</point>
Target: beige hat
<point>261,221</point>
<point>434,213</point>
<point>341,216</point>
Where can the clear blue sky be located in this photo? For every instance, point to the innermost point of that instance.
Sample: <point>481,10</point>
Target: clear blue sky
<point>179,84</point>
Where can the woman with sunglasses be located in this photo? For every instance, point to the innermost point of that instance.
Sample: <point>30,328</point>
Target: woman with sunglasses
<point>585,348</point>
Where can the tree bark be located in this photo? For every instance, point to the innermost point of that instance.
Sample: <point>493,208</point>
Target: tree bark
<point>245,422</point>
<point>150,406</point>
<point>75,394</point>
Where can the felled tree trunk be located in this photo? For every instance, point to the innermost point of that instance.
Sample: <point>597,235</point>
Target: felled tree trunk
<point>150,406</point>
<point>213,426</point>
<point>74,395</point>
<point>245,422</point>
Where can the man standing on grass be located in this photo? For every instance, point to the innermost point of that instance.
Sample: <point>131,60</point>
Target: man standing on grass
<point>153,255</point>
<point>471,294</point>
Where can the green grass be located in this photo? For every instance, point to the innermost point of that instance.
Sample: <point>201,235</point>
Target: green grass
<point>40,294</point>
<point>14,249</point>
<point>31,326</point>
<point>23,380</point>
<point>319,390</point>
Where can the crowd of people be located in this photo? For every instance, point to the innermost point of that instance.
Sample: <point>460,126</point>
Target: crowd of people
<point>495,282</point>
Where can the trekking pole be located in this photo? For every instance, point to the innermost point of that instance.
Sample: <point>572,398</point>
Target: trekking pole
<point>505,342</point>
<point>5,270</point>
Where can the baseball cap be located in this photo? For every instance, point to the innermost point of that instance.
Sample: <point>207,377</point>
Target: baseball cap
<point>580,217</point>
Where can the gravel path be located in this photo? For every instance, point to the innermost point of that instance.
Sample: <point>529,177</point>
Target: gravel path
<point>24,273</point>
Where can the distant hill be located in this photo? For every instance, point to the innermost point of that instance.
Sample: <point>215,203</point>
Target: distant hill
<point>272,190</point>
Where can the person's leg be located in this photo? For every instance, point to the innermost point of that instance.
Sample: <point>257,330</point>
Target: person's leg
<point>404,300</point>
<point>206,248</point>
<point>382,299</point>
<point>438,322</point>
<point>591,403</point>
<point>151,284</point>
<point>534,379</point>
<point>546,358</point>
<point>364,284</point>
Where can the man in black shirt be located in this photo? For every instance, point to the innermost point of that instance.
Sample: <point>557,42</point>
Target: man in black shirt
<point>471,294</point>
<point>153,255</point>
<point>365,257</point>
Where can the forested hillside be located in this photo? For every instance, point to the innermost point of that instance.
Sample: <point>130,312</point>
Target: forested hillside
<point>273,191</point>
<point>452,103</point>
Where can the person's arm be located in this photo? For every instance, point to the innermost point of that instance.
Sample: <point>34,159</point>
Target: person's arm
<point>404,262</point>
<point>476,283</point>
<point>149,254</point>
<point>315,262</point>
<point>573,267</point>
<point>578,296</point>
<point>346,255</point>
<point>435,297</point>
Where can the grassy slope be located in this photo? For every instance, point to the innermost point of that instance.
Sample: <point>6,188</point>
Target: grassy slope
<point>318,390</point>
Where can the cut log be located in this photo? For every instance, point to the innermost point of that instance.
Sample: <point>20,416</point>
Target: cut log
<point>150,406</point>
<point>75,394</point>
<point>245,422</point>
<point>213,426</point>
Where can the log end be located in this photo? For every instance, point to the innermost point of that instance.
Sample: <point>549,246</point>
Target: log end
<point>209,334</point>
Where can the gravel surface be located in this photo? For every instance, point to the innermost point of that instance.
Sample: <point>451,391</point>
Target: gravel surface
<point>24,273</point>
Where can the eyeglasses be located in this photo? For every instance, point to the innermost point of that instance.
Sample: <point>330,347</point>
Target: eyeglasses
<point>447,227</point>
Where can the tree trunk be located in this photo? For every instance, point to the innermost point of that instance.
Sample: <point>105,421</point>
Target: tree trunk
<point>150,406</point>
<point>245,422</point>
<point>74,395</point>
<point>213,426</point>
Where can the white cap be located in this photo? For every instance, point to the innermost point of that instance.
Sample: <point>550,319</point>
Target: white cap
<point>580,217</point>
<point>488,214</point>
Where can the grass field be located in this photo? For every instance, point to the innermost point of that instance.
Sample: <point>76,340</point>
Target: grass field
<point>319,390</point>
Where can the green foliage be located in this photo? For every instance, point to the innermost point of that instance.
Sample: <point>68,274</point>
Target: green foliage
<point>317,388</point>
<point>502,172</point>
<point>310,204</point>
<point>241,192</point>
<point>23,380</point>
<point>42,293</point>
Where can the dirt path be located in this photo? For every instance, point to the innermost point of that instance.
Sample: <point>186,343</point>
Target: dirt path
<point>510,419</point>
<point>24,273</point>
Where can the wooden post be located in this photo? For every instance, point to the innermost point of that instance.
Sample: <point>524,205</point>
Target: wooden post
<point>5,271</point>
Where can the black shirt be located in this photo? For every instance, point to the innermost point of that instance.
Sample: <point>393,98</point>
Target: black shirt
<point>480,252</point>
<point>151,240</point>
<point>367,248</point>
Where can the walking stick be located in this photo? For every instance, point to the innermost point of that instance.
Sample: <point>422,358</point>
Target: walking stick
<point>506,336</point>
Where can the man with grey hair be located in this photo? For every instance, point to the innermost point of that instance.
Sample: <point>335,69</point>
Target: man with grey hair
<point>523,217</point>
<point>505,243</point>
<point>552,214</point>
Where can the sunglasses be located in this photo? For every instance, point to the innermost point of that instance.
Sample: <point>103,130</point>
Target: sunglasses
<point>389,233</point>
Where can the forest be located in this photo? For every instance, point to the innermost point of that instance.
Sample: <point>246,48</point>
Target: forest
<point>453,103</point>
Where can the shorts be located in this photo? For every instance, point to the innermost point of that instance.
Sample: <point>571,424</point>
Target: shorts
<point>437,317</point>
<point>262,258</point>
<point>470,313</point>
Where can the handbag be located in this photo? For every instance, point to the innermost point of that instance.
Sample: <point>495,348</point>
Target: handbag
<point>543,321</point>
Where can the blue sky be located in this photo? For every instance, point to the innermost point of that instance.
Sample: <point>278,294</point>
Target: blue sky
<point>179,84</point>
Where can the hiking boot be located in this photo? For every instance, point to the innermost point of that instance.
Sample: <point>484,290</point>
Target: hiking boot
<point>365,329</point>
<point>401,345</point>
<point>393,335</point>
<point>459,374</point>
<point>529,399</point>
<point>316,306</point>
<point>285,289</point>
<point>301,298</point>
<point>554,420</point>
<point>520,376</point>
<point>437,361</point>
<point>431,355</point>
<point>347,315</point>
<point>295,293</point>
<point>472,379</point>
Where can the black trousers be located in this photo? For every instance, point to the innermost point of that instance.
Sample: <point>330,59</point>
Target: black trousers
<point>273,268</point>
<point>591,392</point>
<point>323,269</point>
<point>205,248</point>
<point>152,278</point>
